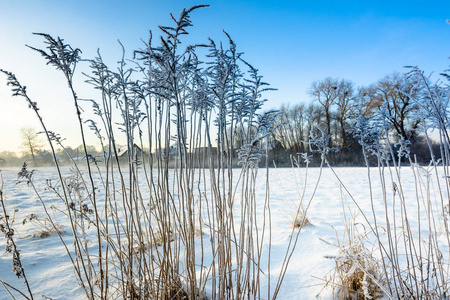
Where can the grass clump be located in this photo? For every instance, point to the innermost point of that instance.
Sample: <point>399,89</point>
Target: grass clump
<point>357,274</point>
<point>43,226</point>
<point>43,233</point>
<point>301,221</point>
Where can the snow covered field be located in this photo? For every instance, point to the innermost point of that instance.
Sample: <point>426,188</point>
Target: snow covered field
<point>330,208</point>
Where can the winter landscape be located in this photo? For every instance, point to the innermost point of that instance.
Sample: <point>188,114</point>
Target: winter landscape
<point>336,226</point>
<point>187,185</point>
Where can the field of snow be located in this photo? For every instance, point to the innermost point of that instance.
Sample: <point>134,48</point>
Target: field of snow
<point>50,273</point>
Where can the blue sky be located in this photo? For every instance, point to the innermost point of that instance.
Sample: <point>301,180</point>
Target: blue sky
<point>292,43</point>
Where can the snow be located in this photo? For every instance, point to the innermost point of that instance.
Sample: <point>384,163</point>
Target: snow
<point>50,272</point>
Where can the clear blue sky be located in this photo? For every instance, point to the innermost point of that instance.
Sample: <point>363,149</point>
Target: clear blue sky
<point>292,43</point>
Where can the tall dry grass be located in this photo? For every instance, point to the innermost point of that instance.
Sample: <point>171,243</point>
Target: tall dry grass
<point>178,220</point>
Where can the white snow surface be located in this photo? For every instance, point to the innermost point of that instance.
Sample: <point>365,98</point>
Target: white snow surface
<point>50,272</point>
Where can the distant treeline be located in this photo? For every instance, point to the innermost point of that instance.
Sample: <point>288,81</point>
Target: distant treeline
<point>43,157</point>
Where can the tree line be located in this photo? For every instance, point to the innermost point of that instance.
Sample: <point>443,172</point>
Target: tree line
<point>335,107</point>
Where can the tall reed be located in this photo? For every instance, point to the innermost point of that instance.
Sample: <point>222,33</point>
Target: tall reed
<point>174,218</point>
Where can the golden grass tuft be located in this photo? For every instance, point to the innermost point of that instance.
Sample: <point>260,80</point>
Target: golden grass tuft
<point>356,275</point>
<point>48,231</point>
<point>301,221</point>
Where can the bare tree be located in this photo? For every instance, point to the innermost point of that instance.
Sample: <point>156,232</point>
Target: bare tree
<point>363,104</point>
<point>345,104</point>
<point>30,142</point>
<point>325,92</point>
<point>397,92</point>
<point>291,127</point>
<point>281,133</point>
<point>314,117</point>
<point>297,116</point>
